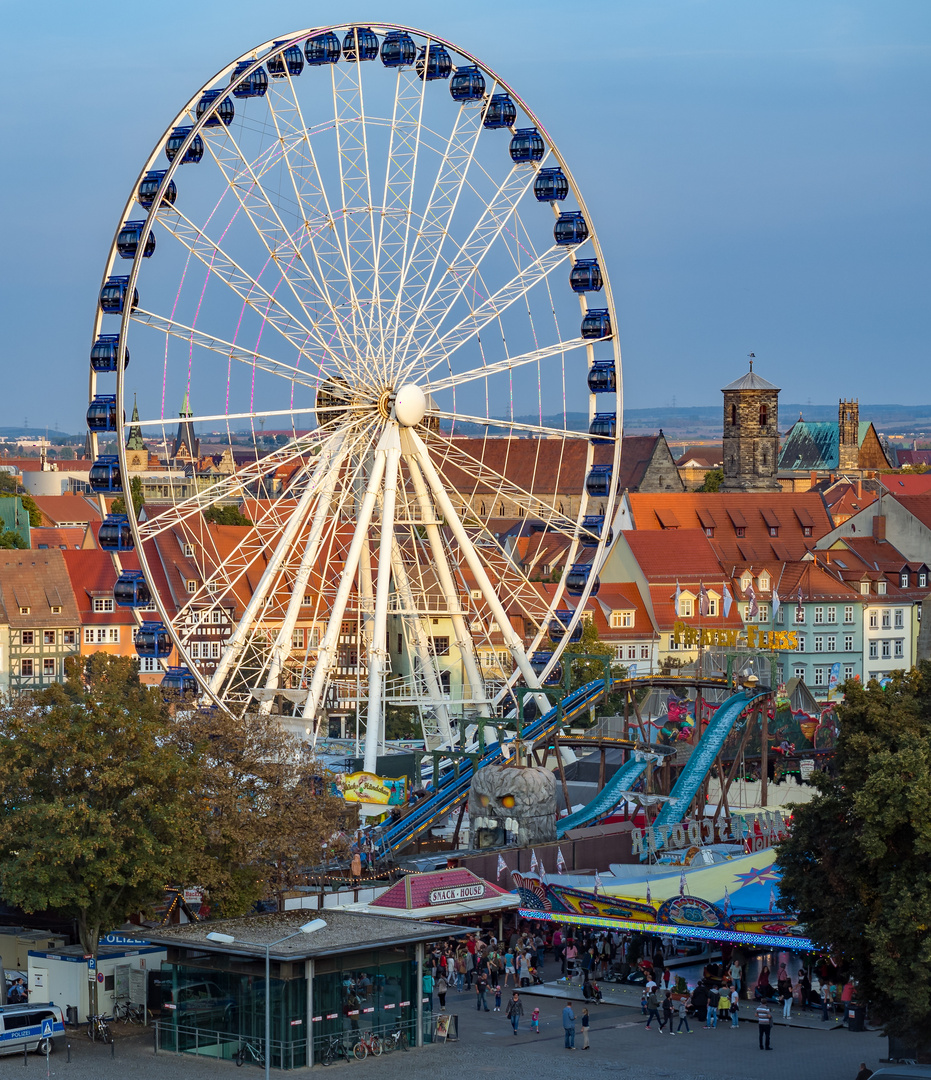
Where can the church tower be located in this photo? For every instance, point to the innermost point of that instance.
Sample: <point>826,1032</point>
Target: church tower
<point>751,434</point>
<point>187,445</point>
<point>848,432</point>
<point>137,456</point>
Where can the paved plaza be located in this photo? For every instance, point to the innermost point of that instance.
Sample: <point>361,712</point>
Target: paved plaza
<point>620,1045</point>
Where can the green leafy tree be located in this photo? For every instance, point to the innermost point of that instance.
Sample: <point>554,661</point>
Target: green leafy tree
<point>29,504</point>
<point>96,810</point>
<point>118,505</point>
<point>225,515</point>
<point>714,478</point>
<point>857,866</point>
<point>269,808</point>
<point>11,539</point>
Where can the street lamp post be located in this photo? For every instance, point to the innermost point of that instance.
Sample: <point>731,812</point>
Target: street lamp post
<point>228,939</point>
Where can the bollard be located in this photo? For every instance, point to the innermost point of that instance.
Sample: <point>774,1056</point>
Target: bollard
<point>112,1048</point>
<point>69,1053</point>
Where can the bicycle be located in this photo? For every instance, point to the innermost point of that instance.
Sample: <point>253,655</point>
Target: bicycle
<point>369,1043</point>
<point>127,1012</point>
<point>98,1027</point>
<point>334,1049</point>
<point>248,1049</point>
<point>395,1040</point>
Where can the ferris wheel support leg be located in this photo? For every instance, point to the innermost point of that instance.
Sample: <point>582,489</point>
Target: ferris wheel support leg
<point>377,657</point>
<point>514,644</point>
<point>327,652</point>
<point>288,535</point>
<point>403,586</point>
<point>282,643</point>
<point>447,584</point>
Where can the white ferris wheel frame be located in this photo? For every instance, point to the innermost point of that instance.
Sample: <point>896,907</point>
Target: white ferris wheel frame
<point>397,442</point>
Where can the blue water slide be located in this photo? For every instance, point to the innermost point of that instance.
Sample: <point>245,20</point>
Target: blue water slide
<point>703,756</point>
<point>452,789</point>
<point>609,796</point>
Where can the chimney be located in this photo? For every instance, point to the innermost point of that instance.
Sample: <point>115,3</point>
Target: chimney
<point>814,478</point>
<point>859,489</point>
<point>879,527</point>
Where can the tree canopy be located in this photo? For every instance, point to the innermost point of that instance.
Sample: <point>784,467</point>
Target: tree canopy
<point>714,478</point>
<point>857,865</point>
<point>118,506</point>
<point>225,515</point>
<point>96,805</point>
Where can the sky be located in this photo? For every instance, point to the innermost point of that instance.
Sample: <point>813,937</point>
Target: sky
<point>757,173</point>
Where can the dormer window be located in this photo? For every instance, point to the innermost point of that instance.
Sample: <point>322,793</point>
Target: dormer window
<point>685,607</point>
<point>922,579</point>
<point>189,551</point>
<point>773,530</point>
<point>864,588</point>
<point>903,579</point>
<point>881,588</point>
<point>745,582</point>
<point>24,610</point>
<point>806,530</point>
<point>740,530</point>
<point>764,582</point>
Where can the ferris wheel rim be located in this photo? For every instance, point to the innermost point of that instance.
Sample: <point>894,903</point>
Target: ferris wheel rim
<point>260,55</point>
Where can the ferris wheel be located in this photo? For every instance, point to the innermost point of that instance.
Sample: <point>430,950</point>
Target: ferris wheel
<point>371,323</point>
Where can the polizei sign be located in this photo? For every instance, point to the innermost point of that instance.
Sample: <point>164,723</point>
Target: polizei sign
<point>459,892</point>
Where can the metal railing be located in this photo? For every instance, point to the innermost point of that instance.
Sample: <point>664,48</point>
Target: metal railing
<point>172,1038</point>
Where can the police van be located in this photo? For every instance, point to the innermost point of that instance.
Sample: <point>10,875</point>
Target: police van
<point>34,1027</point>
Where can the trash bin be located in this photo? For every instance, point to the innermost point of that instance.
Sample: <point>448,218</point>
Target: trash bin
<point>71,1015</point>
<point>856,1017</point>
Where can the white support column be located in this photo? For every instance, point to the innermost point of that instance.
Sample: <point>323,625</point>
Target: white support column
<point>447,583</point>
<point>421,645</point>
<point>377,655</point>
<point>282,645</point>
<point>295,524</point>
<point>513,642</point>
<point>328,647</point>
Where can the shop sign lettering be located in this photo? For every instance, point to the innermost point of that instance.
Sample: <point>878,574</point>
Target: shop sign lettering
<point>754,637</point>
<point>758,830</point>
<point>459,892</point>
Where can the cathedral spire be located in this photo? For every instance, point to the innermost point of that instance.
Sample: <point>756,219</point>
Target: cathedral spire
<point>135,440</point>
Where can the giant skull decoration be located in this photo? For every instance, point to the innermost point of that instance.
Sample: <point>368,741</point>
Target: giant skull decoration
<point>512,799</point>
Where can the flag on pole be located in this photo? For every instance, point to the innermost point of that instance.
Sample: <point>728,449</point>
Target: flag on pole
<point>533,861</point>
<point>649,898</point>
<point>753,610</point>
<point>502,866</point>
<point>676,599</point>
<point>682,883</point>
<point>560,862</point>
<point>727,901</point>
<point>728,600</point>
<point>598,884</point>
<point>777,604</point>
<point>772,899</point>
<point>543,874</point>
<point>799,610</point>
<point>703,606</point>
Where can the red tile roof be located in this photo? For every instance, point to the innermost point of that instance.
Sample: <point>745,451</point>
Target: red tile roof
<point>666,555</point>
<point>414,890</point>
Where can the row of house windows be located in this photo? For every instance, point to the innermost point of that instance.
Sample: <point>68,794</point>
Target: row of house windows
<point>49,637</point>
<point>631,652</point>
<point>887,649</point>
<point>887,619</point>
<point>28,668</point>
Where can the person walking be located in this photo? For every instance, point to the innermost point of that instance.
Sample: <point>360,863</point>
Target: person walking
<point>535,1021</point>
<point>684,1015</point>
<point>497,999</point>
<point>736,975</point>
<point>568,1025</point>
<point>481,986</point>
<point>724,1002</point>
<point>785,993</point>
<point>764,1019</point>
<point>711,1011</point>
<point>441,985</point>
<point>652,1008</point>
<point>827,1000</point>
<point>585,1023</point>
<point>667,1013</point>
<point>735,1008</point>
<point>428,984</point>
<point>515,1010</point>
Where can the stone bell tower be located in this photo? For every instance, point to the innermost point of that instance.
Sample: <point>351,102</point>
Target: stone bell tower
<point>751,434</point>
<point>848,435</point>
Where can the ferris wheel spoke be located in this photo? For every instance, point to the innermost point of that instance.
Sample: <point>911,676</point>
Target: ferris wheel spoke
<point>509,364</point>
<point>282,248</point>
<point>227,488</point>
<point>434,304</point>
<point>424,256</point>
<point>303,163</point>
<point>479,573</point>
<point>326,655</point>
<point>276,558</point>
<point>355,187</point>
<point>400,174</point>
<point>226,349</point>
<point>225,269</point>
<point>438,349</point>
<point>542,430</point>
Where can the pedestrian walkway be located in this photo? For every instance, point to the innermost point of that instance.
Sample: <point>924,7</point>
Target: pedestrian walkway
<point>628,996</point>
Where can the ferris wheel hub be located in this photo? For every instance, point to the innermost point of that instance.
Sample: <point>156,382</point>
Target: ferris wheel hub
<point>410,404</point>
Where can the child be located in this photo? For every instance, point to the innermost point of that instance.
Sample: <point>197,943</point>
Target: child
<point>643,1002</point>
<point>535,1021</point>
<point>497,999</point>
